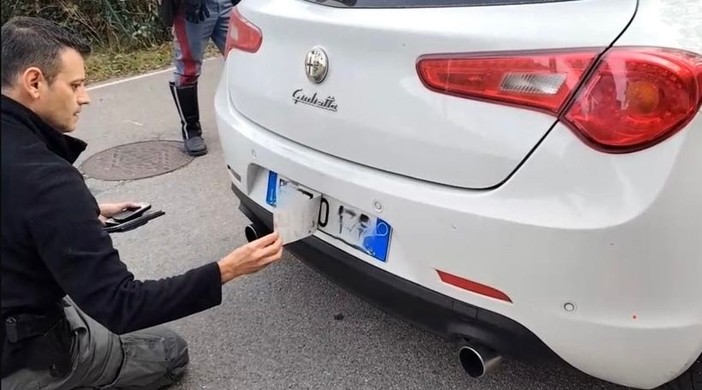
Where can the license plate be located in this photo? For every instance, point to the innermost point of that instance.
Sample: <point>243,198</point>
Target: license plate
<point>354,227</point>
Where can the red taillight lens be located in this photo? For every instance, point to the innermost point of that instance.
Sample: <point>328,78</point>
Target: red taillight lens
<point>636,98</point>
<point>542,81</point>
<point>242,34</point>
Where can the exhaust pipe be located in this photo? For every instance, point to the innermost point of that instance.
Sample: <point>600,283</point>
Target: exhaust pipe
<point>478,360</point>
<point>254,231</point>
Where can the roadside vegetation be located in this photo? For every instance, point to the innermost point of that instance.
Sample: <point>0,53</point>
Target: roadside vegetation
<point>127,36</point>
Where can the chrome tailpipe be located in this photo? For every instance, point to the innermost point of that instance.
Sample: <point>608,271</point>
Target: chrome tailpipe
<point>255,231</point>
<point>478,360</point>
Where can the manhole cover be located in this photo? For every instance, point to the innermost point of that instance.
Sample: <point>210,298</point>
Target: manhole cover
<point>136,161</point>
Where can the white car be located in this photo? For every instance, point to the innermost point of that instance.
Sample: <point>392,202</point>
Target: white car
<point>523,176</point>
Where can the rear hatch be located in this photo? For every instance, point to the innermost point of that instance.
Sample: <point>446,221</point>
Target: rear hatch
<point>373,109</point>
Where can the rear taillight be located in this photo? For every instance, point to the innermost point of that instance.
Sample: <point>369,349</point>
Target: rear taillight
<point>636,98</point>
<point>541,81</point>
<point>242,34</point>
<point>633,99</point>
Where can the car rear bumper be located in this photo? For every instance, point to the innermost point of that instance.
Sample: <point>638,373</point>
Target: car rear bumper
<point>600,255</point>
<point>437,313</point>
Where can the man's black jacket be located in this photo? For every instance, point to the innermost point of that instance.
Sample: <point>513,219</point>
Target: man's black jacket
<point>53,243</point>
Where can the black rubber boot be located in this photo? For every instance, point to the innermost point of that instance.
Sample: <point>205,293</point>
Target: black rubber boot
<point>185,98</point>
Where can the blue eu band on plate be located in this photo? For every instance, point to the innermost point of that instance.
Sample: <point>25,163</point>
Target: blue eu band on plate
<point>354,227</point>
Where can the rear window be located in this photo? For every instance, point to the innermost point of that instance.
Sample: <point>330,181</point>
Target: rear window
<point>424,3</point>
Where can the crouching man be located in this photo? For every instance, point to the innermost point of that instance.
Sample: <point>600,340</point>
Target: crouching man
<point>73,315</point>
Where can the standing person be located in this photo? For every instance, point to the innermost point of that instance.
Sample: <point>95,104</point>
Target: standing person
<point>193,24</point>
<point>53,243</point>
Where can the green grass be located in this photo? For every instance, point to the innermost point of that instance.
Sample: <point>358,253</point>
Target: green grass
<point>106,64</point>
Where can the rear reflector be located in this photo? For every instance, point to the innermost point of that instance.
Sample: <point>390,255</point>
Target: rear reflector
<point>473,286</point>
<point>242,34</point>
<point>632,99</point>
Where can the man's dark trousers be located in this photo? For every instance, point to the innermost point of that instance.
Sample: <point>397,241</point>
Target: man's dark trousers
<point>147,359</point>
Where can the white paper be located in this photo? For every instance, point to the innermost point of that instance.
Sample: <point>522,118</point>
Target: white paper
<point>295,216</point>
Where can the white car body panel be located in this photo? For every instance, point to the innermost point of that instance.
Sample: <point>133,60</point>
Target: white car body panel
<point>437,138</point>
<point>618,236</point>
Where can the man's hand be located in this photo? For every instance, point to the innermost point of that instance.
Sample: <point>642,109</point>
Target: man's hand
<point>251,257</point>
<point>107,210</point>
<point>196,11</point>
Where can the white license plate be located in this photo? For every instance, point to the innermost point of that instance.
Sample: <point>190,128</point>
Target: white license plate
<point>356,228</point>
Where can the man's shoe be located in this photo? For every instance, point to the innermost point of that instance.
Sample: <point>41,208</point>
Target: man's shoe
<point>195,146</point>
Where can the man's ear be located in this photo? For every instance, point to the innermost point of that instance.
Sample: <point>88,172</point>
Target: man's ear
<point>31,80</point>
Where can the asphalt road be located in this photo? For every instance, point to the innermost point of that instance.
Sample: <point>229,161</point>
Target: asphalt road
<point>276,329</point>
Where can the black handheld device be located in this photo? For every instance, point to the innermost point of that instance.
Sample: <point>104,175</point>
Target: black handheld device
<point>129,214</point>
<point>131,219</point>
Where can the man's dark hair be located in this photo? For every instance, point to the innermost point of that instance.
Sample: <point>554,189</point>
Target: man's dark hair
<point>28,42</point>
